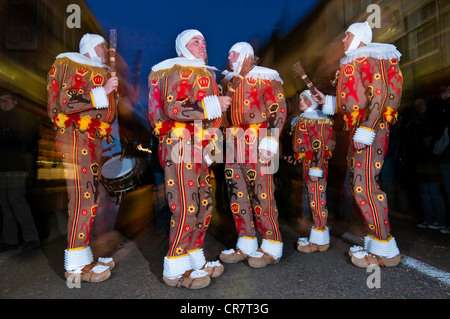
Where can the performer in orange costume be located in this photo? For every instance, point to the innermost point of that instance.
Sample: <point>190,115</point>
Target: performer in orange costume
<point>368,92</point>
<point>184,107</point>
<point>313,143</point>
<point>258,107</point>
<point>82,106</point>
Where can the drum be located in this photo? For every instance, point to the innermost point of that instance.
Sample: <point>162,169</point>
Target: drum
<point>120,176</point>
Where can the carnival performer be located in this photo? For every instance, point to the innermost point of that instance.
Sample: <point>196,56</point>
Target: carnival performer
<point>81,104</point>
<point>255,117</point>
<point>369,90</point>
<point>313,144</point>
<point>182,93</point>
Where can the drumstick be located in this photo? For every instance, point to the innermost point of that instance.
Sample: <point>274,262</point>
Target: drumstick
<point>112,50</point>
<point>112,54</point>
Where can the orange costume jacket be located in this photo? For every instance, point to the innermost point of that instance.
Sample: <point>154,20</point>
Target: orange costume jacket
<point>75,96</point>
<point>314,143</point>
<point>369,89</point>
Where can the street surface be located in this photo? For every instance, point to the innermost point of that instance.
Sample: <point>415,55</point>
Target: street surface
<point>139,249</point>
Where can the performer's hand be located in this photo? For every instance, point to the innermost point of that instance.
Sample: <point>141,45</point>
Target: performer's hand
<point>313,178</point>
<point>319,98</point>
<point>266,154</point>
<point>358,145</point>
<point>111,84</point>
<point>225,102</point>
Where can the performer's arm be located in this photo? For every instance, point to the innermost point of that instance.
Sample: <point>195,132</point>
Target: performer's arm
<point>317,145</point>
<point>77,93</point>
<point>276,113</point>
<point>186,100</point>
<point>328,102</point>
<point>365,132</point>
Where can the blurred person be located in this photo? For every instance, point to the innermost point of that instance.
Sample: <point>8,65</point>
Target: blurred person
<point>18,131</point>
<point>313,143</point>
<point>441,114</point>
<point>81,104</point>
<point>422,161</point>
<point>183,95</point>
<point>368,92</point>
<point>258,103</point>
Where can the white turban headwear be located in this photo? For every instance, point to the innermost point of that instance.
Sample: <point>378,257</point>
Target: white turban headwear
<point>182,39</point>
<point>244,49</point>
<point>362,32</point>
<point>314,105</point>
<point>87,44</point>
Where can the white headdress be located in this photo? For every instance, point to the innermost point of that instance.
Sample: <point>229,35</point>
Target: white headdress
<point>87,44</point>
<point>183,39</point>
<point>244,49</point>
<point>362,32</point>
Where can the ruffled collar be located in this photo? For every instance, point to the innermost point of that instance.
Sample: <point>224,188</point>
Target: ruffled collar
<point>314,114</point>
<point>182,61</point>
<point>258,72</point>
<point>381,51</point>
<point>80,58</point>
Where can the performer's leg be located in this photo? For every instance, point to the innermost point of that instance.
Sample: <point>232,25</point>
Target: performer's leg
<point>81,156</point>
<point>182,196</point>
<point>261,191</point>
<point>372,201</point>
<point>204,207</point>
<point>247,244</point>
<point>319,238</point>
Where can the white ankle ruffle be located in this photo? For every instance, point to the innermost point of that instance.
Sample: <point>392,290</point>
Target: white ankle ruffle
<point>176,267</point>
<point>274,249</point>
<point>75,260</point>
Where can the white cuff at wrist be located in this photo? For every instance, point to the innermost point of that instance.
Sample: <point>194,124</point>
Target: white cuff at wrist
<point>315,172</point>
<point>329,106</point>
<point>208,159</point>
<point>212,107</point>
<point>269,144</point>
<point>99,97</point>
<point>364,135</point>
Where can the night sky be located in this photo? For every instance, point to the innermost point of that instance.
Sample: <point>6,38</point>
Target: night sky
<point>152,26</point>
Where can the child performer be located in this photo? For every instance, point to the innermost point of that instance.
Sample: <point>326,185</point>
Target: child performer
<point>314,143</point>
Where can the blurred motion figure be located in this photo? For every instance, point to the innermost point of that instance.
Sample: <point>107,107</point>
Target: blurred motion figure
<point>17,132</point>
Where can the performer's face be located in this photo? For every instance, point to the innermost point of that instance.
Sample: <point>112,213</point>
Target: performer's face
<point>233,57</point>
<point>197,46</point>
<point>304,103</point>
<point>102,51</point>
<point>347,40</point>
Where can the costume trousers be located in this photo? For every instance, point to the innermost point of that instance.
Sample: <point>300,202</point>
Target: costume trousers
<point>81,157</point>
<point>365,166</point>
<point>251,194</point>
<point>188,191</point>
<point>317,197</point>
